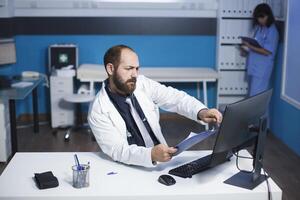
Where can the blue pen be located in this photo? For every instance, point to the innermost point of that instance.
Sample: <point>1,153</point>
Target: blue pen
<point>112,173</point>
<point>77,162</point>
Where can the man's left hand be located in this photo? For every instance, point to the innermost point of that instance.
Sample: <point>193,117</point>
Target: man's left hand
<point>210,116</point>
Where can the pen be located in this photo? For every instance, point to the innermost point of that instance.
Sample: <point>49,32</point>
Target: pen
<point>77,162</point>
<point>112,173</point>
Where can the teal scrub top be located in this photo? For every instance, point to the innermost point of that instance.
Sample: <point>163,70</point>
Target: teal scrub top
<point>259,65</point>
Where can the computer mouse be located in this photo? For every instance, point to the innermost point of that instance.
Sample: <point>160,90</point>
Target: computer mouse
<point>166,180</point>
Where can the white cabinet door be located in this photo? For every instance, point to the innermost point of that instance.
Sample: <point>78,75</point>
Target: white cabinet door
<point>62,112</point>
<point>5,137</point>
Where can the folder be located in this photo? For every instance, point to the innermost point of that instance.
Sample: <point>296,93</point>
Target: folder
<point>193,139</point>
<point>251,41</point>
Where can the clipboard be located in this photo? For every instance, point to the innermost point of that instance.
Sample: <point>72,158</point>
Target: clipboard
<point>251,41</point>
<point>192,139</point>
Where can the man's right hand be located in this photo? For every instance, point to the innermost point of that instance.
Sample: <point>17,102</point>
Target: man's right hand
<point>162,153</point>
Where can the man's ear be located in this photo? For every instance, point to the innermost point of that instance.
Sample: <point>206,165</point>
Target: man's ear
<point>110,68</point>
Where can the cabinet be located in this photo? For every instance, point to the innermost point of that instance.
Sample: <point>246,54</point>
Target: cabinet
<point>5,135</point>
<point>234,20</point>
<point>62,112</point>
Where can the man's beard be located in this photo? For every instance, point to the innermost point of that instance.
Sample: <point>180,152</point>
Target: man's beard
<point>128,87</point>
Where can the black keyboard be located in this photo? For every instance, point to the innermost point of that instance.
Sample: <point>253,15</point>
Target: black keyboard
<point>191,168</point>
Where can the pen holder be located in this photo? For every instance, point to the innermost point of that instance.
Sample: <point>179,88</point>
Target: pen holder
<point>81,176</point>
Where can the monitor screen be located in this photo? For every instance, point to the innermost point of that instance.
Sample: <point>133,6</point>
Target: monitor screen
<point>238,117</point>
<point>7,51</point>
<point>62,56</point>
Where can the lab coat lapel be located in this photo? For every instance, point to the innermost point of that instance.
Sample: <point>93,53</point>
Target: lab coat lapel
<point>112,112</point>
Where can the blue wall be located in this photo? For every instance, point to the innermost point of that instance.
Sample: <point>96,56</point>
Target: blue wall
<point>285,121</point>
<point>167,50</point>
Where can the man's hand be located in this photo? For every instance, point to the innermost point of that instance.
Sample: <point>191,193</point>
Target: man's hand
<point>210,116</point>
<point>162,153</point>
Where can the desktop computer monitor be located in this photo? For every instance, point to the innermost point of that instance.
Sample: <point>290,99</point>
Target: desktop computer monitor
<point>7,56</point>
<point>245,124</point>
<point>62,55</point>
<point>239,118</point>
<point>7,51</point>
<point>235,133</point>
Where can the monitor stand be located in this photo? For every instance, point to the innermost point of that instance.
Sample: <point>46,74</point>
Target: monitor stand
<point>245,180</point>
<point>251,180</point>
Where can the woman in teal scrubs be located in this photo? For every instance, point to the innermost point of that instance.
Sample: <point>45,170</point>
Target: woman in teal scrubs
<point>260,60</point>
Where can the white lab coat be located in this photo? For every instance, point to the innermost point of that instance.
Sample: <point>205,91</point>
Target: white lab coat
<point>109,127</point>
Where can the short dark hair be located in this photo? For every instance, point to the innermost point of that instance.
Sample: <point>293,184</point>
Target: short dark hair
<point>261,10</point>
<point>113,55</point>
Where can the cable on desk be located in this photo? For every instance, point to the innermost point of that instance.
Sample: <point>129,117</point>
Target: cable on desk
<point>268,185</point>
<point>237,162</point>
<point>245,171</point>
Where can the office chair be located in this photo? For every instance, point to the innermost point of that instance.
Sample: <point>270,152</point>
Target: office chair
<point>84,95</point>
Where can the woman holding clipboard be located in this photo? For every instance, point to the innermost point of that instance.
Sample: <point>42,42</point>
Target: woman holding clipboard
<point>260,58</point>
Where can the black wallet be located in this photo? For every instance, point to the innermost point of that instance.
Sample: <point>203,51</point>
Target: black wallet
<point>45,180</point>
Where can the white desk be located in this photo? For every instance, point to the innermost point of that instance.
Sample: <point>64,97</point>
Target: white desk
<point>13,94</point>
<point>130,183</point>
<point>97,73</point>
